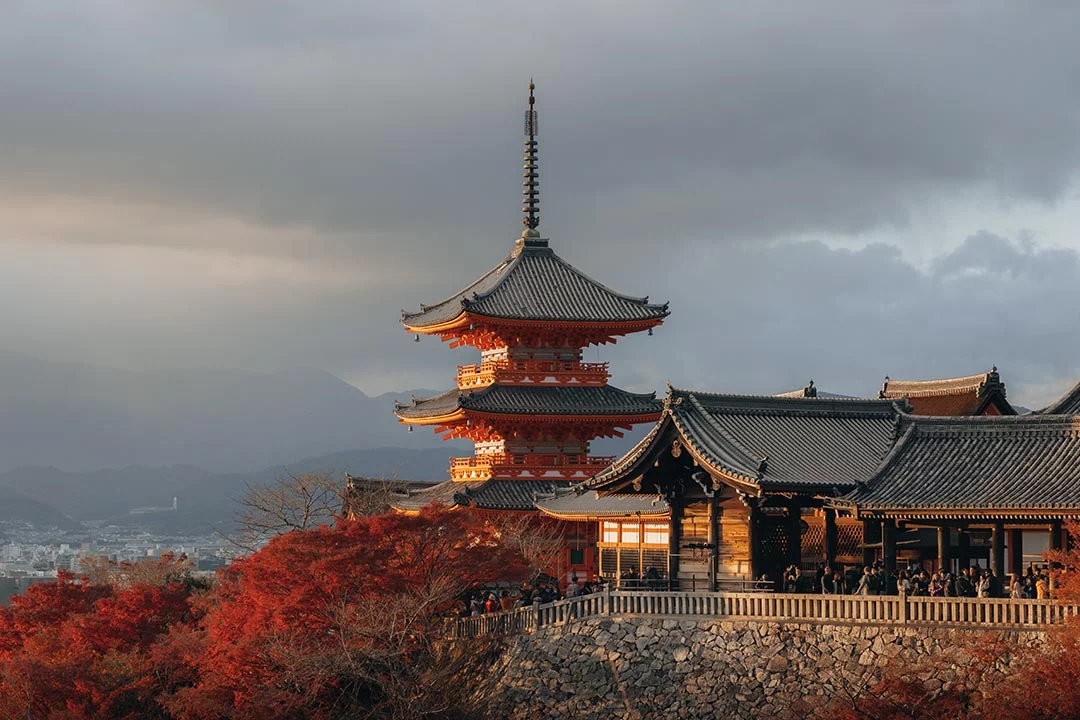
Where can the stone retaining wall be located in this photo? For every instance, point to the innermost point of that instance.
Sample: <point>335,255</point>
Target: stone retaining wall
<point>643,668</point>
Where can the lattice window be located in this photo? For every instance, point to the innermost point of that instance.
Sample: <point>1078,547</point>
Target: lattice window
<point>813,542</point>
<point>774,540</point>
<point>849,537</point>
<point>609,562</point>
<point>655,558</point>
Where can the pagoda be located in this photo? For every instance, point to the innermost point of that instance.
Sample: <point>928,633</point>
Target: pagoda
<point>531,405</point>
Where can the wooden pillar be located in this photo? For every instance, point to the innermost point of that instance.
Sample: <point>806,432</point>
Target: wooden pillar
<point>674,541</point>
<point>831,538</point>
<point>888,544</point>
<point>997,550</point>
<point>944,559</point>
<point>714,539</point>
<point>963,548</point>
<point>794,532</point>
<point>871,536</point>
<point>1016,551</point>
<point>753,532</point>
<point>1055,535</point>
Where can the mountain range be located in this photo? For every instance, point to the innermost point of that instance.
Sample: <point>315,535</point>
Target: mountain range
<point>47,497</point>
<point>81,417</point>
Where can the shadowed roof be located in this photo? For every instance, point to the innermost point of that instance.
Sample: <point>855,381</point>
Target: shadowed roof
<point>769,441</point>
<point>1067,404</point>
<point>533,283</point>
<point>953,465</point>
<point>593,400</point>
<point>494,494</point>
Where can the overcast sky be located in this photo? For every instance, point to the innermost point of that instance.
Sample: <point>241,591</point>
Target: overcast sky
<point>830,190</point>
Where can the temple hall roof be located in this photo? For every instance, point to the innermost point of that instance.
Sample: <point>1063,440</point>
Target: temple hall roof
<point>977,465</point>
<point>533,283</point>
<point>968,395</point>
<point>768,442</point>
<point>494,494</point>
<point>593,400</point>
<point>590,505</point>
<point>1067,404</point>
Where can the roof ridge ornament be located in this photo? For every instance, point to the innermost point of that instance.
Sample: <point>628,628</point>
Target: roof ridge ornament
<point>530,186</point>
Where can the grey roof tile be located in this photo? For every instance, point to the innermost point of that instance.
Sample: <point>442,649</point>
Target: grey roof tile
<point>771,441</point>
<point>536,400</point>
<point>594,505</point>
<point>495,494</point>
<point>1027,462</point>
<point>1067,404</point>
<point>533,283</point>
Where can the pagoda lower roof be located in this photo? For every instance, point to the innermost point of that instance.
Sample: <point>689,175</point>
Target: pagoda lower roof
<point>581,401</point>
<point>534,283</point>
<point>1017,465</point>
<point>495,494</point>
<point>767,442</point>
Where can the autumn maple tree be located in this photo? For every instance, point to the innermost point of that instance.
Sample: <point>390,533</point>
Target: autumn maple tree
<point>345,620</point>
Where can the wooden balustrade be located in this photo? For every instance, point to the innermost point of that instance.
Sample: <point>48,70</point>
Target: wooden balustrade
<point>483,466</point>
<point>778,607</point>
<point>532,372</point>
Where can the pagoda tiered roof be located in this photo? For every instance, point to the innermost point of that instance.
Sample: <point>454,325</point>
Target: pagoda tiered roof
<point>534,284</point>
<point>1026,465</point>
<point>546,401</point>
<point>980,394</point>
<point>1067,404</point>
<point>759,443</point>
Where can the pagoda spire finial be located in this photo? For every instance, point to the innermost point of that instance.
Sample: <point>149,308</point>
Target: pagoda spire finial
<point>530,201</point>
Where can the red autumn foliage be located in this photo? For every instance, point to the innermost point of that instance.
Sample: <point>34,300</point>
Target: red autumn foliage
<point>79,650</point>
<point>332,621</point>
<point>1047,682</point>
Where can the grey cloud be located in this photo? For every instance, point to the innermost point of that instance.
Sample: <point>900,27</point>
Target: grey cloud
<point>398,123</point>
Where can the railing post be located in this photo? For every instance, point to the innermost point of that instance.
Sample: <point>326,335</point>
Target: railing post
<point>607,599</point>
<point>538,615</point>
<point>903,607</point>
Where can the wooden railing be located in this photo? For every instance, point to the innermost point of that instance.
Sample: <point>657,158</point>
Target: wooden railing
<point>532,372</point>
<point>778,607</point>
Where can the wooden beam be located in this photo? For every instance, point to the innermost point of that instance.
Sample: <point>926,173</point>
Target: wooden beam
<point>888,540</point>
<point>831,538</point>
<point>943,540</point>
<point>997,550</point>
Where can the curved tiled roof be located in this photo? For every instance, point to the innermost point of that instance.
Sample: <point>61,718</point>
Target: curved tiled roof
<point>533,283</point>
<point>594,505</point>
<point>968,395</point>
<point>1067,404</point>
<point>444,494</point>
<point>535,400</point>
<point>772,441</point>
<point>495,494</point>
<point>952,465</point>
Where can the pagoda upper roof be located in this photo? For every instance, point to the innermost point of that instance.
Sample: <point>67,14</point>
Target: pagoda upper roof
<point>585,401</point>
<point>1067,404</point>
<point>534,283</point>
<point>977,465</point>
<point>967,395</point>
<point>762,442</point>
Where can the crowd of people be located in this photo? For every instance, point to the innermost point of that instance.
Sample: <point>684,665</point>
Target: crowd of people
<point>541,592</point>
<point>875,579</point>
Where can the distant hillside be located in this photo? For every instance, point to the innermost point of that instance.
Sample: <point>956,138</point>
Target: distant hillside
<point>19,508</point>
<point>204,498</point>
<point>80,417</point>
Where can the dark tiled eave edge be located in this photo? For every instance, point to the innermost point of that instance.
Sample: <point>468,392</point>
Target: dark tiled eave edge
<point>544,401</point>
<point>689,413</point>
<point>901,493</point>
<point>1067,404</point>
<point>501,293</point>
